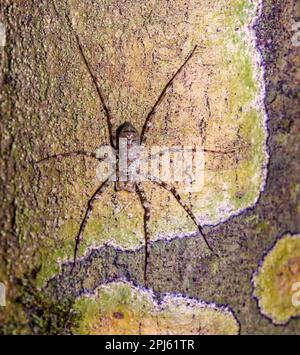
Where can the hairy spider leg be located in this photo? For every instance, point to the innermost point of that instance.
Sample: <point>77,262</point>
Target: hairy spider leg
<point>148,119</point>
<point>95,197</point>
<point>106,109</point>
<point>181,202</point>
<point>146,206</point>
<point>180,150</point>
<point>69,154</point>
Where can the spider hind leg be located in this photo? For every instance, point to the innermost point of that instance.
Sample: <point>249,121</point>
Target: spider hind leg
<point>187,209</point>
<point>143,198</point>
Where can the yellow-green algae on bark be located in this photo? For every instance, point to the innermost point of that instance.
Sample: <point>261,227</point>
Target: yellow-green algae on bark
<point>216,103</point>
<point>120,308</point>
<point>274,280</point>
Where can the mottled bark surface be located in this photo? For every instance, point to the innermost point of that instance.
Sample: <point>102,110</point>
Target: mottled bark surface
<point>48,104</point>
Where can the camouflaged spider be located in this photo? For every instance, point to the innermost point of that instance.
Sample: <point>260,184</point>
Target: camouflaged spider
<point>133,139</point>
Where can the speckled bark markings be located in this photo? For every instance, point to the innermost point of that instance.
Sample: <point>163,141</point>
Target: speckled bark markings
<point>16,155</point>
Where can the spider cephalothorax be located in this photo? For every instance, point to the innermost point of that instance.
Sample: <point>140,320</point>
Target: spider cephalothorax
<point>126,143</point>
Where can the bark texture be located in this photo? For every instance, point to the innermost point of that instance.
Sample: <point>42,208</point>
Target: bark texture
<point>48,105</point>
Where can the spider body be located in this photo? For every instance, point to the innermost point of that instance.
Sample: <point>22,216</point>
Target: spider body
<point>128,144</point>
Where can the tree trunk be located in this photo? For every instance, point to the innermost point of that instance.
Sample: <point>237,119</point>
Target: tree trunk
<point>49,105</point>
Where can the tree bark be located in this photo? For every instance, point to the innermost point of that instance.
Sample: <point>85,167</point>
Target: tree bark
<point>49,105</point>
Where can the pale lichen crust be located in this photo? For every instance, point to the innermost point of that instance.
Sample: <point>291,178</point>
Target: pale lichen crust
<point>277,281</point>
<point>121,308</point>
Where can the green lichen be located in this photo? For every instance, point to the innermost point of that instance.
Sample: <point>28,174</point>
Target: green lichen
<point>120,308</point>
<point>275,278</point>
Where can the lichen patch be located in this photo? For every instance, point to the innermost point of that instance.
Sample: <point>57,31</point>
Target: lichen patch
<point>120,308</point>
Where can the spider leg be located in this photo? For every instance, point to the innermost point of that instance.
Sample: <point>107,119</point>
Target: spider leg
<point>91,73</point>
<point>87,215</point>
<point>183,205</point>
<point>180,150</point>
<point>147,123</point>
<point>68,154</point>
<point>142,195</point>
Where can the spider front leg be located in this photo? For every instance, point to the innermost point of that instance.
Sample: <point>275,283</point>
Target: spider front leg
<point>79,153</point>
<point>88,212</point>
<point>183,205</point>
<point>148,120</point>
<point>68,154</point>
<point>91,73</point>
<point>146,206</point>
